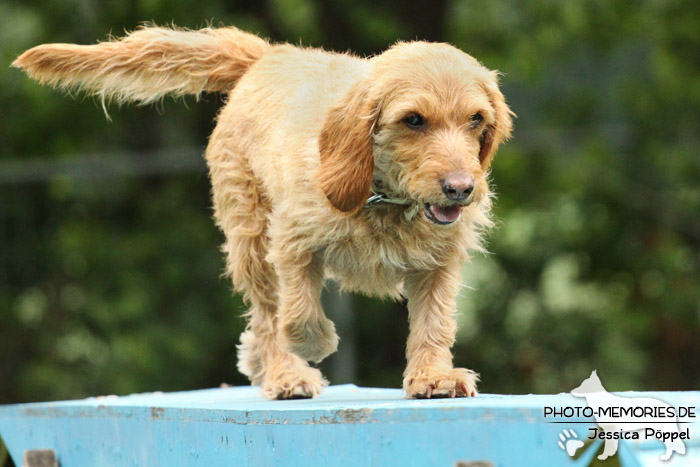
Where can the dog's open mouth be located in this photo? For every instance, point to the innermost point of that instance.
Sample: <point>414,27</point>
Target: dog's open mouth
<point>442,215</point>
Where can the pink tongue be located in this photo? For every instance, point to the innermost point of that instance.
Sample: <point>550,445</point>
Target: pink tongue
<point>446,213</point>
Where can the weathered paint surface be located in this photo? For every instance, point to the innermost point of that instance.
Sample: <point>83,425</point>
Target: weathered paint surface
<point>346,425</point>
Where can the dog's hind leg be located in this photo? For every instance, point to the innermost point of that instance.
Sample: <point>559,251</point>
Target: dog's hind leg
<point>241,211</point>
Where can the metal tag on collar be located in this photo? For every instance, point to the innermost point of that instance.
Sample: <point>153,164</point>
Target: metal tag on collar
<point>375,198</point>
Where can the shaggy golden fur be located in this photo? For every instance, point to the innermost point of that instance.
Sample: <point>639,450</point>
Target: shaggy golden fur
<point>305,137</point>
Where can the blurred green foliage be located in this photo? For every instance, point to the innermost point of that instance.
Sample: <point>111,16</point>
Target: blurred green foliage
<point>112,283</point>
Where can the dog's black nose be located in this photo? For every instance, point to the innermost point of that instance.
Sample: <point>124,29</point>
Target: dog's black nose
<point>457,186</point>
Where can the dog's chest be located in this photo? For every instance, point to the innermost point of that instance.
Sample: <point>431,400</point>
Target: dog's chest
<point>374,257</point>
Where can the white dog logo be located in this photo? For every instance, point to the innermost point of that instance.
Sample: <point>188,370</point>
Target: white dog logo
<point>608,407</point>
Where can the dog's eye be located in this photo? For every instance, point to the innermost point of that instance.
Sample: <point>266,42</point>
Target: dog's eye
<point>475,120</point>
<point>414,121</point>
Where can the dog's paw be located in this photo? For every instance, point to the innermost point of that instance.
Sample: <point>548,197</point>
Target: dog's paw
<point>312,340</point>
<point>430,382</point>
<point>296,383</point>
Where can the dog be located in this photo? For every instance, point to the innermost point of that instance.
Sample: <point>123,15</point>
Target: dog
<point>370,171</point>
<point>615,426</point>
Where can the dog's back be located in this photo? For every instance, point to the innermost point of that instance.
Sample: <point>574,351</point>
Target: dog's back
<point>279,95</point>
<point>278,108</point>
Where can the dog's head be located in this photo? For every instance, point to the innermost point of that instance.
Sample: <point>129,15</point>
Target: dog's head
<point>425,124</point>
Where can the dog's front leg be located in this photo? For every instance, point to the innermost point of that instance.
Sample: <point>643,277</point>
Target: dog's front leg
<point>431,310</point>
<point>302,327</point>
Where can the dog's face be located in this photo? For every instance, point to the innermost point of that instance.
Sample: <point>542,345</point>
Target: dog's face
<point>429,134</point>
<point>425,126</point>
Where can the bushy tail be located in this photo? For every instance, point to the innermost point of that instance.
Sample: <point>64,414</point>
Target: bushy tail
<point>148,63</point>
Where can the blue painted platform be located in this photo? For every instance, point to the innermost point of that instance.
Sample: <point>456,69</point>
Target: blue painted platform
<point>346,425</point>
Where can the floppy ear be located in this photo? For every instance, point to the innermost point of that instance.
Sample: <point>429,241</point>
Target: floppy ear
<point>345,144</point>
<point>499,130</point>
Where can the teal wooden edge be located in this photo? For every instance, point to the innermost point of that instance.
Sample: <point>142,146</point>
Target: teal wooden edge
<point>346,425</point>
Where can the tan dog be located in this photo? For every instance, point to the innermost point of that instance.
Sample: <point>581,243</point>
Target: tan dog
<point>306,138</point>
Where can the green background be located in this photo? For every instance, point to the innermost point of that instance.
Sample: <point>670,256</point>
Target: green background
<point>110,274</point>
